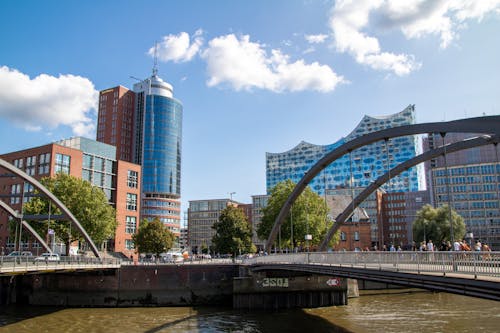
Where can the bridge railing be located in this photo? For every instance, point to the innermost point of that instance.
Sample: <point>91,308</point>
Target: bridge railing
<point>471,263</point>
<point>26,263</point>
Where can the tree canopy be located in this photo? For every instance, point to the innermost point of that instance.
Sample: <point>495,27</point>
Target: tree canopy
<point>86,202</point>
<point>233,233</point>
<point>308,215</point>
<point>153,237</point>
<point>434,223</point>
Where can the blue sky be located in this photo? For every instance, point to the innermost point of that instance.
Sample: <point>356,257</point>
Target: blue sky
<point>254,76</point>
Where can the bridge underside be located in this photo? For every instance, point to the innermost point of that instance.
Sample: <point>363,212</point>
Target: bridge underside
<point>459,284</point>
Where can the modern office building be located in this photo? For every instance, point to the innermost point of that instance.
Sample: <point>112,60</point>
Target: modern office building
<point>82,158</point>
<point>357,169</point>
<point>202,214</point>
<point>472,178</point>
<point>258,204</point>
<point>399,211</point>
<point>146,127</point>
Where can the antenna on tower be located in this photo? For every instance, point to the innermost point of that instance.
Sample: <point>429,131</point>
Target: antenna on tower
<point>155,65</point>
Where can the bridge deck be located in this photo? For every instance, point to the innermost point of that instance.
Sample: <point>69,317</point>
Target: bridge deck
<point>474,274</point>
<point>27,265</point>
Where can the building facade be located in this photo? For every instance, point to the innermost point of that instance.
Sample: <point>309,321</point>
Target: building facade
<point>355,233</point>
<point>202,214</point>
<point>398,214</point>
<point>90,160</point>
<point>371,205</point>
<point>115,123</point>
<point>258,204</point>
<point>146,127</point>
<point>357,169</point>
<point>469,181</point>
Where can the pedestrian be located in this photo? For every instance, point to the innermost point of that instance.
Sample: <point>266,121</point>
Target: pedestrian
<point>486,249</point>
<point>430,246</point>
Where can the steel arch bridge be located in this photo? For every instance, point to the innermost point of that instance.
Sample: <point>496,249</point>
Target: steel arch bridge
<point>66,213</point>
<point>488,125</point>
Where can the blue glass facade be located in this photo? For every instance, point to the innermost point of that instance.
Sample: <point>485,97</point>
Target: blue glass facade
<point>361,167</point>
<point>158,148</point>
<point>161,167</point>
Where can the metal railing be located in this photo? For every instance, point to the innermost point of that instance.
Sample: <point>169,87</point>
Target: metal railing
<point>23,264</point>
<point>469,263</point>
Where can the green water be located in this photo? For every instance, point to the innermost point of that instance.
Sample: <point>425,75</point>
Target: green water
<point>402,312</point>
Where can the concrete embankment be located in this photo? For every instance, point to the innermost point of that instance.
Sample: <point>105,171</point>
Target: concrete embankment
<point>141,285</point>
<point>177,285</point>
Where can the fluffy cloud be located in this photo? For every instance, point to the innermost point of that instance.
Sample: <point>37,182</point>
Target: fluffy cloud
<point>244,65</point>
<point>430,17</point>
<point>347,21</point>
<point>47,101</point>
<point>415,19</point>
<point>178,48</point>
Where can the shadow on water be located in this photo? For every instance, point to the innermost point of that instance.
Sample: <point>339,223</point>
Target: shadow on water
<point>11,314</point>
<point>157,319</point>
<point>228,320</point>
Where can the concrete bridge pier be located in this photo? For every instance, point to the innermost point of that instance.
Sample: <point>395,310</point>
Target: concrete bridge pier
<point>280,290</point>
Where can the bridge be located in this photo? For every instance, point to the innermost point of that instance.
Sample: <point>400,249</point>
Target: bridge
<point>28,265</point>
<point>466,273</point>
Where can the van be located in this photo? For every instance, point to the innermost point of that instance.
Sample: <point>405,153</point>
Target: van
<point>48,257</point>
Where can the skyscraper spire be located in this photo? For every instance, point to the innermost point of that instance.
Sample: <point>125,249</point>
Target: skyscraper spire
<point>155,64</point>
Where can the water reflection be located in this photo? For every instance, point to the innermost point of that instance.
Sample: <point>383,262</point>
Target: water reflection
<point>402,312</point>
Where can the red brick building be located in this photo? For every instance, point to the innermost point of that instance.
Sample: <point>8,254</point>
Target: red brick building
<point>83,158</point>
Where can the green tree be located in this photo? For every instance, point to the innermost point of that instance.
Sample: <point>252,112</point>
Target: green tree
<point>153,237</point>
<point>434,223</point>
<point>233,233</point>
<point>308,215</point>
<point>86,202</point>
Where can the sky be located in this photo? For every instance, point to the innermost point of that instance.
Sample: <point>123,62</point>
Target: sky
<point>253,76</point>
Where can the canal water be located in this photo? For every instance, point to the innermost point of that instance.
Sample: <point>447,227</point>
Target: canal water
<point>421,312</point>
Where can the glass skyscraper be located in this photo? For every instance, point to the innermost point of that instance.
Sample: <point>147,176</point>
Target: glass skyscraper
<point>357,169</point>
<point>145,125</point>
<point>157,147</point>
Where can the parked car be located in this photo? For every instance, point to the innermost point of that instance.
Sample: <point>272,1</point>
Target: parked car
<point>48,257</point>
<point>20,254</point>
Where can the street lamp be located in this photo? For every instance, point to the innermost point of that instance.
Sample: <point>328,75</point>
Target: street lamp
<point>231,195</point>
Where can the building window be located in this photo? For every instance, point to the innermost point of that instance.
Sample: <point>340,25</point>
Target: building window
<point>15,192</point>
<point>30,165</point>
<point>28,189</point>
<point>62,163</point>
<point>44,163</point>
<point>343,236</point>
<point>130,224</point>
<point>19,163</point>
<point>129,244</point>
<point>131,201</point>
<point>132,178</point>
<point>356,236</point>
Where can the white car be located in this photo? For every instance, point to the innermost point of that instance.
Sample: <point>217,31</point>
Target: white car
<point>48,257</point>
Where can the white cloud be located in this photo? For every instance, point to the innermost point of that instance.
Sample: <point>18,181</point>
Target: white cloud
<point>316,39</point>
<point>47,101</point>
<point>178,48</point>
<point>347,21</point>
<point>244,65</point>
<point>415,19</point>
